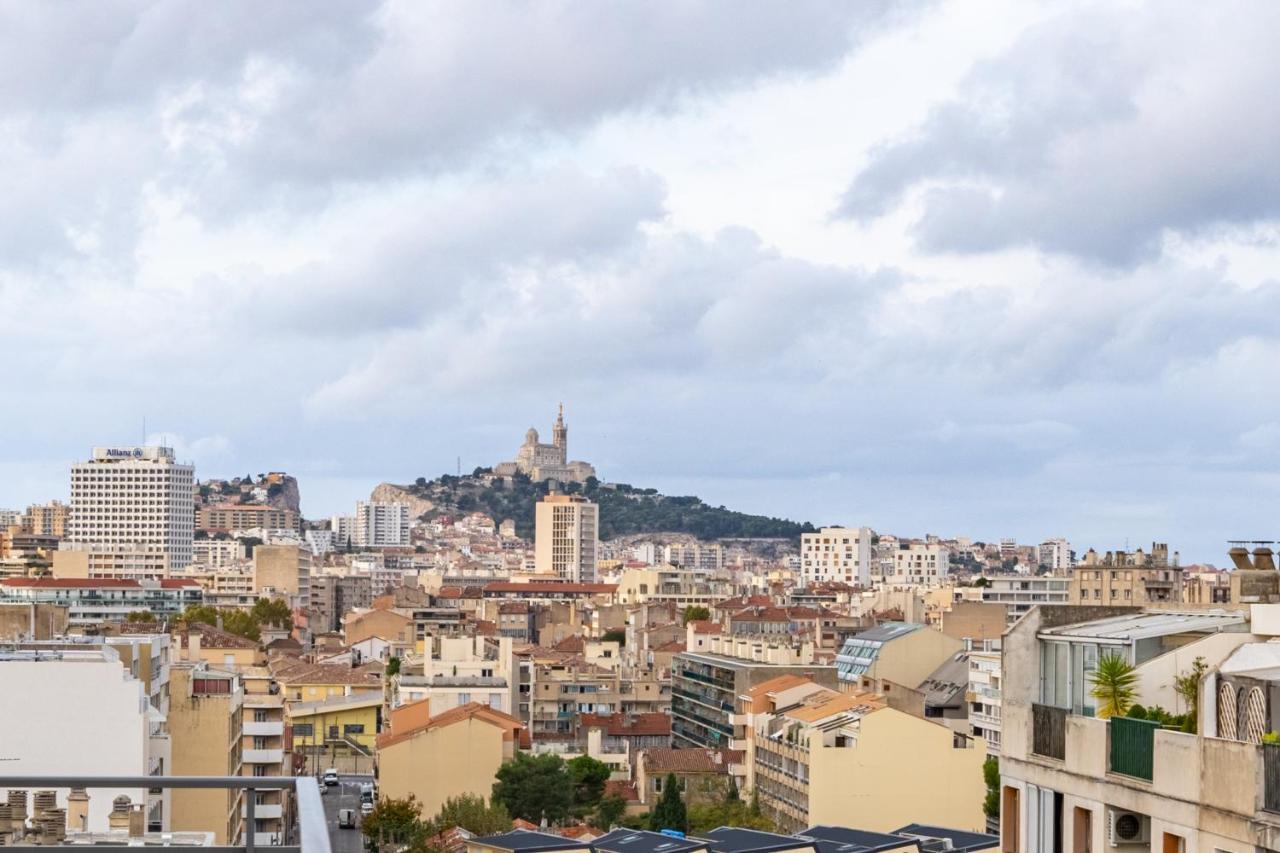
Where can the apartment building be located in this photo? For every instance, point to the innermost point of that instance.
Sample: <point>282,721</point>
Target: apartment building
<point>1056,555</point>
<point>263,753</point>
<point>705,687</point>
<point>815,755</point>
<point>90,601</point>
<point>205,724</point>
<point>46,519</point>
<point>472,741</point>
<point>232,586</point>
<point>557,692</point>
<point>132,515</point>
<point>893,653</point>
<point>670,584</point>
<point>704,775</point>
<point>837,554</point>
<point>919,563</point>
<point>1019,594</point>
<point>700,556</point>
<point>1073,781</point>
<point>235,517</point>
<point>62,696</point>
<point>455,671</point>
<point>566,538</point>
<point>983,695</point>
<point>285,571</point>
<point>333,596</point>
<point>217,552</point>
<point>380,524</point>
<point>1127,579</point>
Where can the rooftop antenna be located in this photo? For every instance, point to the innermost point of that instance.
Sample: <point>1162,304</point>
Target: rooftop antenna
<point>459,466</point>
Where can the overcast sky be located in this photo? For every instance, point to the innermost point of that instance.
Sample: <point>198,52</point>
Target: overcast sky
<point>993,270</point>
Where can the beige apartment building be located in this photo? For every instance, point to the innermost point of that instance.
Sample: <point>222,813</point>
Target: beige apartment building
<point>1127,579</point>
<point>230,517</point>
<point>263,753</point>
<point>1071,781</point>
<point>818,756</point>
<point>471,741</point>
<point>558,692</point>
<point>46,519</point>
<point>206,733</point>
<point>566,538</point>
<point>283,570</point>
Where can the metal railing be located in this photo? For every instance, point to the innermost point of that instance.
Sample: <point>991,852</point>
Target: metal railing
<point>310,836</point>
<point>1049,731</point>
<point>1132,747</point>
<point>1271,777</point>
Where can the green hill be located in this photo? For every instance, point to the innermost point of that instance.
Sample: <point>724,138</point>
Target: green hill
<point>624,509</point>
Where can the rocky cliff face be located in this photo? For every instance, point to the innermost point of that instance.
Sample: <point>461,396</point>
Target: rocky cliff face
<point>288,497</point>
<point>391,493</point>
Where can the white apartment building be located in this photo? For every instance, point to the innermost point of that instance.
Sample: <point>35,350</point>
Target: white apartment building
<point>132,513</point>
<point>1020,594</point>
<point>343,528</point>
<point>80,711</point>
<point>379,524</point>
<point>320,542</point>
<point>217,553</point>
<point>1056,554</point>
<point>458,670</point>
<point>700,556</point>
<point>984,694</point>
<point>842,554</point>
<point>920,563</point>
<point>566,538</point>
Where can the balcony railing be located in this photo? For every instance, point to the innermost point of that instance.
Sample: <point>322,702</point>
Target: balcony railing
<point>1132,747</point>
<point>1271,777</point>
<point>1049,731</point>
<point>310,836</point>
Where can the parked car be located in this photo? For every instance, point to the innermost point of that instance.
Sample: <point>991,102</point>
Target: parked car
<point>330,777</point>
<point>346,818</point>
<point>366,807</point>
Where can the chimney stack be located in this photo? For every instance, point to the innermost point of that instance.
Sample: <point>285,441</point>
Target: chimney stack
<point>1262,559</point>
<point>1240,557</point>
<point>138,820</point>
<point>193,645</point>
<point>17,809</point>
<point>118,820</point>
<point>78,810</point>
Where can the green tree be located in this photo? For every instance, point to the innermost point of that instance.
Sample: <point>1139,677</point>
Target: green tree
<point>393,666</point>
<point>609,811</point>
<point>696,613</point>
<point>991,775</point>
<point>395,822</point>
<point>472,814</point>
<point>982,582</point>
<point>534,786</point>
<point>241,623</point>
<point>731,794</point>
<point>670,812</point>
<point>141,616</point>
<point>589,776</point>
<point>1187,686</point>
<point>615,635</point>
<point>754,808</point>
<point>272,611</point>
<point>1113,685</point>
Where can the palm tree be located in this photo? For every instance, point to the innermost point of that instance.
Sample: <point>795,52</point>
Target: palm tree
<point>1113,685</point>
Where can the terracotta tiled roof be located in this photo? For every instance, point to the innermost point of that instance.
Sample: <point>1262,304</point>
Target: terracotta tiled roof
<point>623,788</point>
<point>471,710</point>
<point>552,586</point>
<point>742,601</point>
<point>637,725</point>
<point>705,626</point>
<point>666,760</point>
<point>72,583</point>
<point>673,646</point>
<point>212,637</point>
<point>571,644</point>
<point>330,673</point>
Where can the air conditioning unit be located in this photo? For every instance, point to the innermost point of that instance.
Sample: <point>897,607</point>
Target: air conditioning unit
<point>1129,828</point>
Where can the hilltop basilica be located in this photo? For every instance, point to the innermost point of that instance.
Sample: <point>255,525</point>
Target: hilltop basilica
<point>547,461</point>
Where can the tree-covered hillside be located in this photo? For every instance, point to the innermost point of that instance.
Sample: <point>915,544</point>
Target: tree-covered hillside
<point>624,509</point>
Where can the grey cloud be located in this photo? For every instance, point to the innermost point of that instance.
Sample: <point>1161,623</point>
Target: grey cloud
<point>1094,134</point>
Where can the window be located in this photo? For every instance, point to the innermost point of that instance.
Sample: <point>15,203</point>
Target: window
<point>353,729</point>
<point>259,716</point>
<point>303,730</point>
